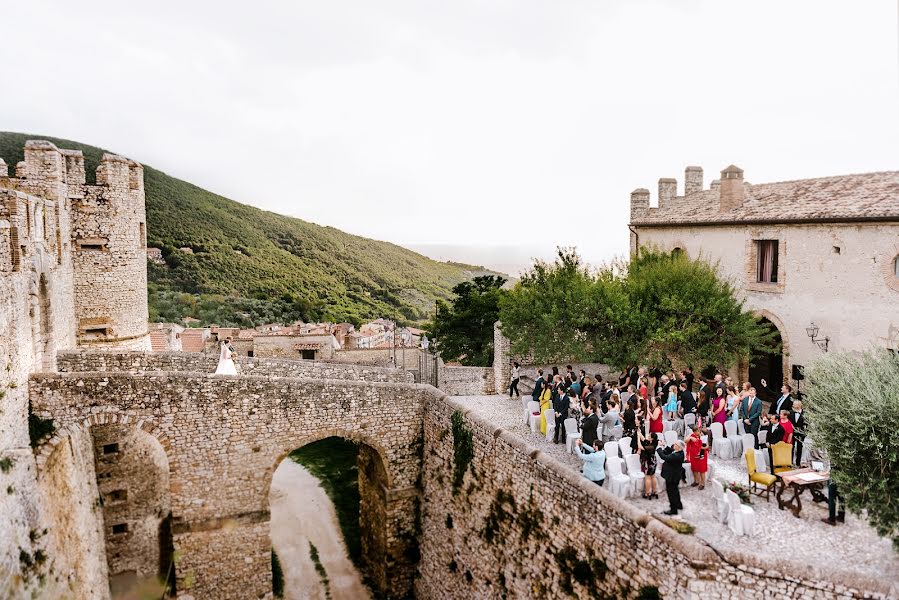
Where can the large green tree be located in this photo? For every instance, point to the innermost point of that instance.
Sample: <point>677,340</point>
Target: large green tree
<point>656,309</point>
<point>853,413</point>
<point>463,328</point>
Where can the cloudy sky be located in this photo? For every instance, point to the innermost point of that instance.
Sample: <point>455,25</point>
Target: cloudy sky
<point>496,130</point>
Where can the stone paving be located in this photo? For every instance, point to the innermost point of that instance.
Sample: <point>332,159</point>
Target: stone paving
<point>853,546</point>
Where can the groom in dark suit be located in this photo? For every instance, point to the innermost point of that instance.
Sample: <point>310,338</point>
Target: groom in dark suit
<point>561,404</point>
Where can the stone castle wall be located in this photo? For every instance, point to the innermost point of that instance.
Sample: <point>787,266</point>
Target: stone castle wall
<point>522,525</point>
<point>237,430</point>
<point>466,381</point>
<point>71,361</point>
<point>43,281</point>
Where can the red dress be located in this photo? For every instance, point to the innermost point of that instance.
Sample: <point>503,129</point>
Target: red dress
<point>694,448</point>
<point>656,425</point>
<point>788,431</point>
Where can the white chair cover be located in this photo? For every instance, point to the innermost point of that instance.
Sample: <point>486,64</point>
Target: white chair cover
<point>689,420</point>
<point>571,434</point>
<point>617,432</point>
<point>634,472</point>
<point>722,507</point>
<point>611,449</point>
<point>670,437</point>
<point>618,483</point>
<point>530,408</point>
<point>763,437</point>
<point>550,423</point>
<point>721,447</point>
<point>740,428</point>
<point>733,438</point>
<point>742,517</point>
<point>761,461</point>
<point>747,441</point>
<point>624,444</point>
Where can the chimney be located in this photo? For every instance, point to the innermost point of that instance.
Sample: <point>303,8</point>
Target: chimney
<point>731,188</point>
<point>639,203</point>
<point>667,192</point>
<point>692,180</point>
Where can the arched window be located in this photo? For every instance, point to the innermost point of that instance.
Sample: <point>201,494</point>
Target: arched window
<point>896,267</point>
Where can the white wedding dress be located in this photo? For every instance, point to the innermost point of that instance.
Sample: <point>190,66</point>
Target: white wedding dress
<point>226,363</point>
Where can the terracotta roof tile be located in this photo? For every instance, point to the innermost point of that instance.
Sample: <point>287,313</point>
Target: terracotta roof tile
<point>192,340</point>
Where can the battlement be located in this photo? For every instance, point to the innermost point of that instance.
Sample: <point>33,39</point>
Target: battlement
<point>727,192</point>
<point>46,165</point>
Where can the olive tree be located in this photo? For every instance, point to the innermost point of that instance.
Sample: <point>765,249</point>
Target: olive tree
<point>853,413</point>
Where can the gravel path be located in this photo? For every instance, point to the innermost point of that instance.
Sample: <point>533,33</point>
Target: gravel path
<point>302,512</point>
<point>854,546</point>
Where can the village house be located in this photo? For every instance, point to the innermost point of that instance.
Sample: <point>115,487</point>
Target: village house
<point>818,259</point>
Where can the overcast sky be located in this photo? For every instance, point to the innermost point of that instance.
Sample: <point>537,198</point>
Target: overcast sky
<point>462,123</point>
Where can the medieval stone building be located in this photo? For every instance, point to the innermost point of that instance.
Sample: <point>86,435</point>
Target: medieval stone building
<point>814,256</point>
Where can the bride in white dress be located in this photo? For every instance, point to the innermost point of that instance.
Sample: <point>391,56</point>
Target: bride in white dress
<point>226,359</point>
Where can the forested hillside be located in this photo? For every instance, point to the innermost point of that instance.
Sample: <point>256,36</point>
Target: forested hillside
<point>251,266</point>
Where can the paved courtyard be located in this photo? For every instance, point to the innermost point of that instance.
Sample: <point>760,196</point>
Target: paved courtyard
<point>851,547</point>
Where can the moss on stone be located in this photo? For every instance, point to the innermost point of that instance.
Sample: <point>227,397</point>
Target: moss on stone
<point>502,510</point>
<point>463,450</point>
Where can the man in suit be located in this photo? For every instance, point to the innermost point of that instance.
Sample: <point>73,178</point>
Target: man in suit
<point>799,430</point>
<point>687,401</point>
<point>672,471</point>
<point>561,405</point>
<point>538,386</point>
<point>590,424</point>
<point>785,402</point>
<point>751,412</point>
<point>609,419</point>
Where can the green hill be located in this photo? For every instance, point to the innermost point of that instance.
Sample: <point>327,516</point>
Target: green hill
<point>251,266</point>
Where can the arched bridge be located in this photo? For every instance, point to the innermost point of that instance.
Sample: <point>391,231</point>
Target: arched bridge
<point>224,437</point>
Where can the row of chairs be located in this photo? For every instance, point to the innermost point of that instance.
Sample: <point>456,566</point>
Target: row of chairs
<point>739,517</point>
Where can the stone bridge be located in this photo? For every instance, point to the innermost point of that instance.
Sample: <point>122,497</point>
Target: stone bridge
<point>224,437</point>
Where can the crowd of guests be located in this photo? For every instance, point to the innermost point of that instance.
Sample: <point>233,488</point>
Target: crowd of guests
<point>639,404</point>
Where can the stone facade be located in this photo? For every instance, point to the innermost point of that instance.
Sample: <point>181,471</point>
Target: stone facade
<point>67,261</point>
<point>466,381</point>
<point>837,240</point>
<point>522,525</point>
<point>217,429</point>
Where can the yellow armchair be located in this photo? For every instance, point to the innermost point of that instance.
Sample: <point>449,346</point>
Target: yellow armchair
<point>765,480</point>
<point>782,457</point>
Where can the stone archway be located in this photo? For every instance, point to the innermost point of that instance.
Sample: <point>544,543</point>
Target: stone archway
<point>106,488</point>
<point>774,368</point>
<point>330,497</point>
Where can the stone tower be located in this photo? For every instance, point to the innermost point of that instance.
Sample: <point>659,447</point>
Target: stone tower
<point>109,257</point>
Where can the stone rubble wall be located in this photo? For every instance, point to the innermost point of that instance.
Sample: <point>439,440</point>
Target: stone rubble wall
<point>71,361</point>
<point>466,381</point>
<point>407,358</point>
<point>522,525</point>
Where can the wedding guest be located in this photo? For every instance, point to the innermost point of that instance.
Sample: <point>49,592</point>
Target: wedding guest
<point>698,451</point>
<point>719,407</point>
<point>594,461</point>
<point>648,464</point>
<point>590,424</point>
<point>672,471</point>
<point>538,386</point>
<point>799,430</point>
<point>750,413</point>
<point>610,419</point>
<point>561,405</point>
<point>515,377</point>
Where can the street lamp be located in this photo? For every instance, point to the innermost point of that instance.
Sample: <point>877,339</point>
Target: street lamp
<point>812,331</point>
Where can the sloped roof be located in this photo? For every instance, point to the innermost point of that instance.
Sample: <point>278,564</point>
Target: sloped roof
<point>192,340</point>
<point>843,197</point>
<point>158,341</point>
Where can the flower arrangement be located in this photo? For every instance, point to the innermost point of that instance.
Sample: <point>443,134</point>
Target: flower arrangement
<point>740,490</point>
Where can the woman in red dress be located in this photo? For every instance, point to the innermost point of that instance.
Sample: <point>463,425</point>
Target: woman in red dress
<point>655,416</point>
<point>698,453</point>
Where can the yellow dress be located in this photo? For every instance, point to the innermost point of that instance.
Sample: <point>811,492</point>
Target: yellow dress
<point>544,404</point>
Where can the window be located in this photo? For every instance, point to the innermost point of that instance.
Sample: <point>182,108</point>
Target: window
<point>766,267</point>
<point>120,528</point>
<point>896,267</point>
<point>308,354</point>
<point>110,448</point>
<point>249,354</point>
<point>117,496</point>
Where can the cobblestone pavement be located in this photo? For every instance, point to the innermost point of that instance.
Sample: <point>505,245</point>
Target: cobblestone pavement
<point>853,546</point>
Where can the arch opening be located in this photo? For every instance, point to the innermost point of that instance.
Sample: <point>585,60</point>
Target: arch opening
<point>328,502</point>
<point>768,366</point>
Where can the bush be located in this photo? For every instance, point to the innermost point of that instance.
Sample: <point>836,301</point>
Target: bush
<point>853,413</point>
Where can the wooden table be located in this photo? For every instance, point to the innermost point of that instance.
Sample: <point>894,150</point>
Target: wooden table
<point>798,480</point>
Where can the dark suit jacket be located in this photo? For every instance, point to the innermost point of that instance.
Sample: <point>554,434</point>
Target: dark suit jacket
<point>538,388</point>
<point>672,469</point>
<point>798,425</point>
<point>588,429</point>
<point>687,401</point>
<point>787,405</point>
<point>561,405</point>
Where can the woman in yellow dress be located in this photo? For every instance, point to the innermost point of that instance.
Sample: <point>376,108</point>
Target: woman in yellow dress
<point>546,401</point>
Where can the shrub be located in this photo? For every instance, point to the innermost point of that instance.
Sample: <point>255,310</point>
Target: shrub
<point>853,414</point>
<point>463,449</point>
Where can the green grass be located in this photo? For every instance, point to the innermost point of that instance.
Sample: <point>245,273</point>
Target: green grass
<point>252,266</point>
<point>333,462</point>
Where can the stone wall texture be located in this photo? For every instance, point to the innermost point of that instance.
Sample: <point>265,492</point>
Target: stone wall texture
<point>224,437</point>
<point>49,284</point>
<point>522,525</point>
<point>466,381</point>
<point>71,361</point>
